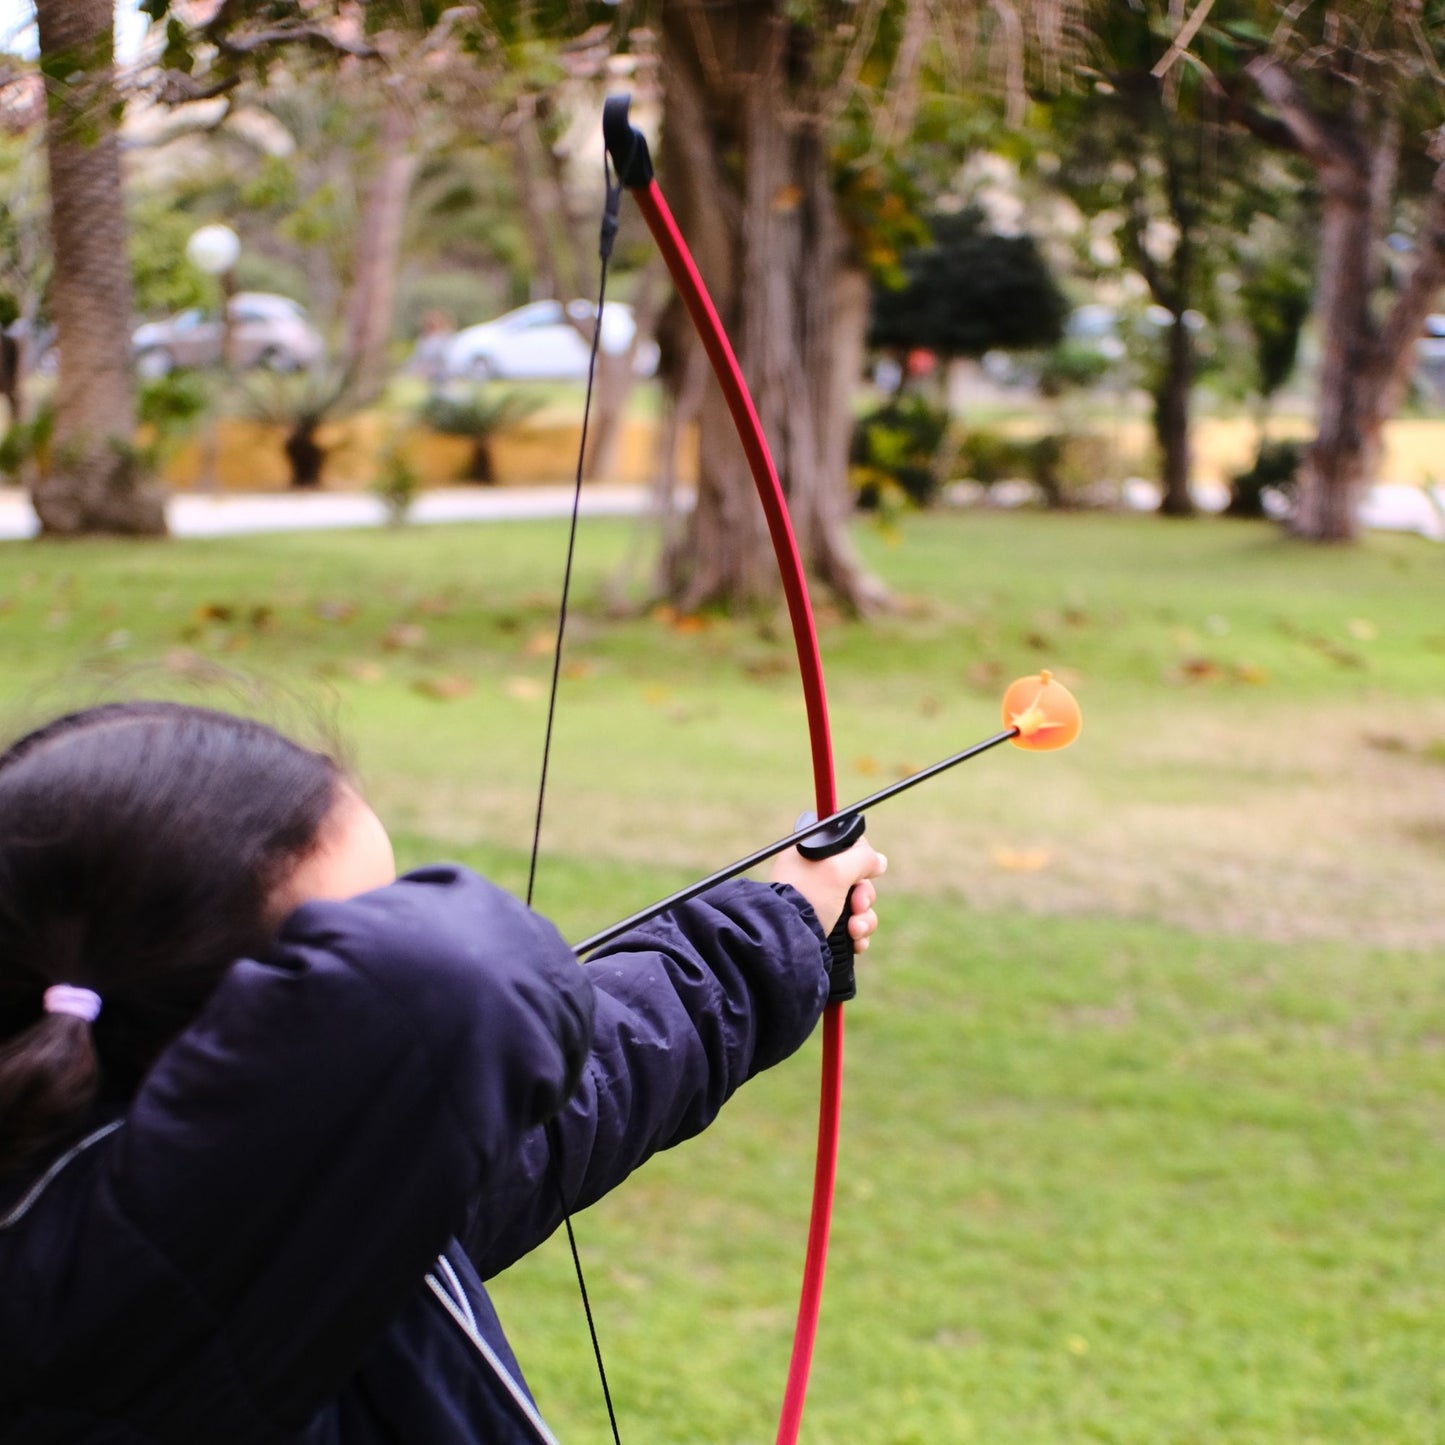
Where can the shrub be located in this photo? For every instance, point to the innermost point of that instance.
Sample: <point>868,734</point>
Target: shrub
<point>168,409</point>
<point>895,452</point>
<point>1062,465</point>
<point>1274,474</point>
<point>478,414</point>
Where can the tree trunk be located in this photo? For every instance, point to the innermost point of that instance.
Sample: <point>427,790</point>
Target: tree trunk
<point>747,161</point>
<point>1366,366</point>
<point>94,482</point>
<point>378,251</point>
<point>305,454</point>
<point>1171,421</point>
<point>617,375</point>
<point>1342,457</point>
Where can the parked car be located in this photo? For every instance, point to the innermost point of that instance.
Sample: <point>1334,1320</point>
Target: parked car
<point>266,330</point>
<point>1430,356</point>
<point>540,342</point>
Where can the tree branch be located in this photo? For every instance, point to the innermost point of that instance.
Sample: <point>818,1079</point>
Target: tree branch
<point>1334,153</point>
<point>1406,320</point>
<point>317,37</point>
<point>1180,43</point>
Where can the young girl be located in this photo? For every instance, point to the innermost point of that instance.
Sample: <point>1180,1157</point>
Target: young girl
<point>269,1115</point>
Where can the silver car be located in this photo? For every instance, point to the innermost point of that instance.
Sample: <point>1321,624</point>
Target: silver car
<point>266,330</point>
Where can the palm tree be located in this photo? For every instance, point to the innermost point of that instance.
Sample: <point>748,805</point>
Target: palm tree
<point>95,482</point>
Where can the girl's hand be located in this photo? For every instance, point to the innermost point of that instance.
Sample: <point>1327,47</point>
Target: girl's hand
<point>825,885</point>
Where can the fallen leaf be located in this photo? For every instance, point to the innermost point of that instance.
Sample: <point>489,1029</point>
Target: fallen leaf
<point>524,689</point>
<point>1362,629</point>
<point>1386,743</point>
<point>540,644</point>
<point>335,609</point>
<point>215,612</point>
<point>867,766</point>
<point>447,688</point>
<point>364,670</point>
<point>1021,860</point>
<point>1251,673</point>
<point>184,662</point>
<point>403,635</point>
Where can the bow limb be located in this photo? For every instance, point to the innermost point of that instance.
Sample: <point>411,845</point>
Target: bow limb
<point>628,150</point>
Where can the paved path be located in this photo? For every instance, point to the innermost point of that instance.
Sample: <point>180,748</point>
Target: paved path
<point>1388,507</point>
<point>194,515</point>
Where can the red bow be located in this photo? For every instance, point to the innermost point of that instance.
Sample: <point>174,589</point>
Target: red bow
<point>633,164</point>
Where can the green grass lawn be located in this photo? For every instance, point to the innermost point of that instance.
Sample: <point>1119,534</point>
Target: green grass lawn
<point>1145,1106</point>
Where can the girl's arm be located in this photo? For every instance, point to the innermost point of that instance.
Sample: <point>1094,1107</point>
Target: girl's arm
<point>689,1007</point>
<point>300,1155</point>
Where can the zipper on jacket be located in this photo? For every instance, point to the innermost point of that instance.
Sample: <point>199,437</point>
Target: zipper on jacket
<point>454,1300</point>
<point>27,1202</point>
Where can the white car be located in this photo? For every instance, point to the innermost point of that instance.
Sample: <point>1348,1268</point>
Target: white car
<point>538,342</point>
<point>1430,355</point>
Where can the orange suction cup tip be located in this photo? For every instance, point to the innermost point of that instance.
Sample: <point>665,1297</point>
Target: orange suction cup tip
<point>1044,711</point>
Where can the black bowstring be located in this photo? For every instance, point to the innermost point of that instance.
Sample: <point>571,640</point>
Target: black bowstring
<point>610,214</point>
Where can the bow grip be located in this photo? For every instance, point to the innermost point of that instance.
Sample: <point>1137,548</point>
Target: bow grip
<point>837,835</point>
<point>627,145</point>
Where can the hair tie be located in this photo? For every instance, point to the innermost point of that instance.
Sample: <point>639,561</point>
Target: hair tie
<point>66,998</point>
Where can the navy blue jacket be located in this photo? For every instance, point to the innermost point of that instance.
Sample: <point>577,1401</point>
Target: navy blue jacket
<point>283,1237</point>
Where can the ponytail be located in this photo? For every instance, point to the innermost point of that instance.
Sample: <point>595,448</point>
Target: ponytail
<point>49,1078</point>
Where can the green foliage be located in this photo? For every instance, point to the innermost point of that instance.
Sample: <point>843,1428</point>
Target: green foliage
<point>968,292</point>
<point>302,398</point>
<point>1273,473</point>
<point>165,280</point>
<point>1074,363</point>
<point>477,413</point>
<point>894,452</point>
<point>169,408</point>
<point>881,208</point>
<point>397,483</point>
<point>1275,296</point>
<point>28,442</point>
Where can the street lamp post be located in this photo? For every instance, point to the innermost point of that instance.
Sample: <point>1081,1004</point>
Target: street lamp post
<point>215,249</point>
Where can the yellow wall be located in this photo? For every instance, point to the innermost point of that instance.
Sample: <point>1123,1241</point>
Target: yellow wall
<point>249,458</point>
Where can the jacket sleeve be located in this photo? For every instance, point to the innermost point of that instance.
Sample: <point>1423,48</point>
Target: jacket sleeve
<point>301,1154</point>
<point>689,1007</point>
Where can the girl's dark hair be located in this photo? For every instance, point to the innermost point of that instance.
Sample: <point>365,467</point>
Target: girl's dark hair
<point>140,847</point>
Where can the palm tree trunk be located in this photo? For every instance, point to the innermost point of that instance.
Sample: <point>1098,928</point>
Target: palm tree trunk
<point>94,481</point>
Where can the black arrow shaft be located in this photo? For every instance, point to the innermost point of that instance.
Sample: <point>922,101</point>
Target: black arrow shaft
<point>770,850</point>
